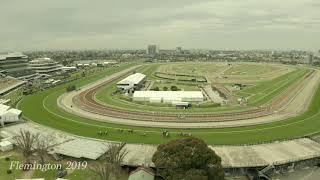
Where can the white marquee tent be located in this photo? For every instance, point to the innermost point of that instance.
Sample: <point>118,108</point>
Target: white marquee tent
<point>168,96</point>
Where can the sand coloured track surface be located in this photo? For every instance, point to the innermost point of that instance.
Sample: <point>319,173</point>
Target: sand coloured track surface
<point>82,103</point>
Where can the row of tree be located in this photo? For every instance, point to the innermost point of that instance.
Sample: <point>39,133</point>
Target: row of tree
<point>165,88</point>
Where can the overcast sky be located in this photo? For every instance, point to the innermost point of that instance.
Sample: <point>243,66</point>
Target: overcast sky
<point>114,24</point>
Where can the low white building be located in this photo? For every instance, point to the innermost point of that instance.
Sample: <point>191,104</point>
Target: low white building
<point>9,115</point>
<point>134,81</point>
<point>168,96</point>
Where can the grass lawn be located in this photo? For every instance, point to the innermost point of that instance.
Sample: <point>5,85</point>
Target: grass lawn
<point>259,94</point>
<point>5,165</point>
<point>265,91</point>
<point>50,115</point>
<point>251,69</point>
<point>182,87</point>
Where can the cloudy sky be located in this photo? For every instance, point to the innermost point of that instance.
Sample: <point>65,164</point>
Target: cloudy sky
<point>113,24</point>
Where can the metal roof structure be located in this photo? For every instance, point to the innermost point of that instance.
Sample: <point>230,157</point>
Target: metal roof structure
<point>169,95</point>
<point>132,79</point>
<point>81,148</point>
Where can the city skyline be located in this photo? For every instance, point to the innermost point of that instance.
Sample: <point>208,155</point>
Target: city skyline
<point>225,25</point>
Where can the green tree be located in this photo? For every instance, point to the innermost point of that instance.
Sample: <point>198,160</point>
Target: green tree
<point>165,88</point>
<point>71,88</point>
<point>42,146</point>
<point>156,89</point>
<point>187,159</point>
<point>108,167</point>
<point>174,88</point>
<point>26,142</point>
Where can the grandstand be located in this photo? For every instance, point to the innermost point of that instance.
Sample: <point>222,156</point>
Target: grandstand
<point>8,84</point>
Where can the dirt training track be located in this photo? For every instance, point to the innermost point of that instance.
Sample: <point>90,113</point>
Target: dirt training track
<point>294,100</point>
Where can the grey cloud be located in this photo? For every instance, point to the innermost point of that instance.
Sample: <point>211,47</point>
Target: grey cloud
<point>72,24</point>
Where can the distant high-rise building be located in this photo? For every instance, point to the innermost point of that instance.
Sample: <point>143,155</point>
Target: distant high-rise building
<point>310,59</point>
<point>152,49</point>
<point>179,49</point>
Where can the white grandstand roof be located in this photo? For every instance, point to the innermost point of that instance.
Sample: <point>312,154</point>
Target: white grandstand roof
<point>168,94</point>
<point>3,108</point>
<point>82,148</point>
<point>14,54</point>
<point>134,78</point>
<point>14,111</point>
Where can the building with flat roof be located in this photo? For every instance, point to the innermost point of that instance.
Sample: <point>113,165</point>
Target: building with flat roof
<point>45,66</point>
<point>134,81</point>
<point>173,97</point>
<point>15,65</point>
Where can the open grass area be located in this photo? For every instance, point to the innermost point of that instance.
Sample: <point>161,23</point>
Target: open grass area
<point>258,94</point>
<point>48,113</point>
<point>251,69</point>
<point>104,95</point>
<point>50,174</point>
<point>5,165</point>
<point>193,68</point>
<point>265,91</point>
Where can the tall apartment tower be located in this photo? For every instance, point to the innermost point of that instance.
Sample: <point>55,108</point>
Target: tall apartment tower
<point>310,59</point>
<point>152,49</point>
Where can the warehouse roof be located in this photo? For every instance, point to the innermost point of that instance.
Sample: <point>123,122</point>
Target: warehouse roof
<point>134,78</point>
<point>168,94</point>
<point>9,55</point>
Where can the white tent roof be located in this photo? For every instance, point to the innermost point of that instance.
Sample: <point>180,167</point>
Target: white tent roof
<point>168,94</point>
<point>11,112</point>
<point>5,143</point>
<point>14,111</point>
<point>3,108</point>
<point>134,78</point>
